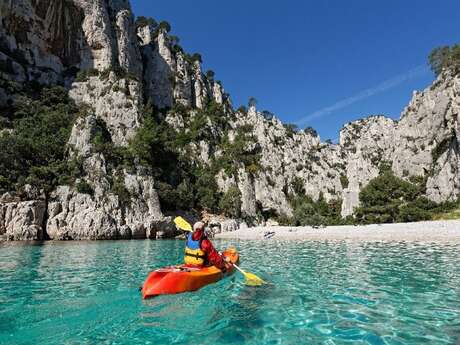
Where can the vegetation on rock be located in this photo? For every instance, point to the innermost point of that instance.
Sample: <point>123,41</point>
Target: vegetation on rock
<point>241,151</point>
<point>142,21</point>
<point>445,58</point>
<point>230,204</point>
<point>389,199</point>
<point>34,146</point>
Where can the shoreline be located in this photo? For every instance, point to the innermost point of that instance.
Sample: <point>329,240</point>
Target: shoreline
<point>442,230</point>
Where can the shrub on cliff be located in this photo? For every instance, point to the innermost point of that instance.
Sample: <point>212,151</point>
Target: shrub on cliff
<point>164,25</point>
<point>311,131</point>
<point>230,204</point>
<point>291,129</point>
<point>181,182</point>
<point>84,188</point>
<point>207,196</point>
<point>242,151</point>
<point>142,21</point>
<point>445,57</point>
<point>34,151</point>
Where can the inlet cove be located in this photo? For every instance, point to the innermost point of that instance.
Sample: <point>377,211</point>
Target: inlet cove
<point>296,182</point>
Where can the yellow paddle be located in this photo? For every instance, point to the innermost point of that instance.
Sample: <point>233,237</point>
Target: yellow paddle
<point>182,224</point>
<point>251,279</point>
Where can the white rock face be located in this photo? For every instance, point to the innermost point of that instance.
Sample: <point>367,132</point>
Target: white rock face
<point>114,100</point>
<point>129,56</point>
<point>430,123</point>
<point>22,220</point>
<point>158,71</point>
<point>79,216</point>
<point>282,160</point>
<point>365,145</point>
<point>199,86</point>
<point>104,215</point>
<point>183,82</point>
<point>171,77</point>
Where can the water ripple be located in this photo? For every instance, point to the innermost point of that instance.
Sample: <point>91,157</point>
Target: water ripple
<point>331,292</point>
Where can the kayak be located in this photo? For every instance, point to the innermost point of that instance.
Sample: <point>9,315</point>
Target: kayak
<point>181,278</point>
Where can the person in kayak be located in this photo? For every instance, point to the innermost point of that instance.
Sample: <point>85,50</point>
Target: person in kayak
<point>199,251</point>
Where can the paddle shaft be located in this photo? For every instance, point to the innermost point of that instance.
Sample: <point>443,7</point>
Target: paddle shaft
<point>239,269</point>
<point>234,265</point>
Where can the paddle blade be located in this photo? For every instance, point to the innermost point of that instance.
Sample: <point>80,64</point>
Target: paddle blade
<point>182,224</point>
<point>253,280</point>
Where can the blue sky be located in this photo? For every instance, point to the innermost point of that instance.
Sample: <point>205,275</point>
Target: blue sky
<point>315,63</point>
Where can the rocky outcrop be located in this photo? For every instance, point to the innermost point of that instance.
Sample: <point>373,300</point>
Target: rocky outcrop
<point>22,220</point>
<point>284,156</point>
<point>48,41</point>
<point>76,216</point>
<point>114,100</point>
<point>365,144</point>
<point>159,68</point>
<point>104,214</point>
<point>172,76</point>
<point>424,142</point>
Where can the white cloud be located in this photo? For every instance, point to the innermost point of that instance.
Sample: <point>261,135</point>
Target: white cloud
<point>382,87</point>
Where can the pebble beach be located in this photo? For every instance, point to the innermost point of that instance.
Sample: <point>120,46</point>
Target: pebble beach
<point>446,230</point>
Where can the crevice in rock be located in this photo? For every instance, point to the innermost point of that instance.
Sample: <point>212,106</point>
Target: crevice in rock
<point>45,235</point>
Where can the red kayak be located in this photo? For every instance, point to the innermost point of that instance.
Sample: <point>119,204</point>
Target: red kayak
<point>178,279</point>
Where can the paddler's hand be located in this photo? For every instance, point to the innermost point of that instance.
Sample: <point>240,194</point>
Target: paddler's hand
<point>227,266</point>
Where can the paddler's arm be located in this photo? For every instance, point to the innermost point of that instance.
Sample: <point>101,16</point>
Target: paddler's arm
<point>213,255</point>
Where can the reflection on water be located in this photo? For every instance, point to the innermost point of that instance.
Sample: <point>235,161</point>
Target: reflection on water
<point>320,292</point>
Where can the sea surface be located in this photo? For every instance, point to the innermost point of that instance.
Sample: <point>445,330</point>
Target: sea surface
<point>319,293</point>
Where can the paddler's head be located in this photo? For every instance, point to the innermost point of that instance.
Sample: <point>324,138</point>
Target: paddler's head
<point>198,226</point>
<point>198,230</point>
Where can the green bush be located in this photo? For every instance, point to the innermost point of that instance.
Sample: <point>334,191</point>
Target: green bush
<point>344,181</point>
<point>297,186</point>
<point>206,190</point>
<point>243,150</point>
<point>101,138</point>
<point>388,199</point>
<point>268,115</point>
<point>119,189</point>
<point>186,195</point>
<point>230,203</point>
<point>311,131</point>
<point>84,188</point>
<point>35,151</point>
<point>445,57</point>
<point>142,21</point>
<point>196,57</point>
<point>252,102</point>
<point>84,75</point>
<point>210,74</point>
<point>164,25</point>
<point>306,211</point>
<point>291,129</point>
<point>168,196</point>
<point>442,147</point>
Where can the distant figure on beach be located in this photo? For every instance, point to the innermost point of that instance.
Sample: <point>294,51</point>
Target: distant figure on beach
<point>199,250</point>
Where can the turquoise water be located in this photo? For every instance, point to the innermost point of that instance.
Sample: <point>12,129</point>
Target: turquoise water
<point>321,293</point>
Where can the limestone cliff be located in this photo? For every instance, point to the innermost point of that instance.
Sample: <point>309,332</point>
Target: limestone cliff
<point>115,68</point>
